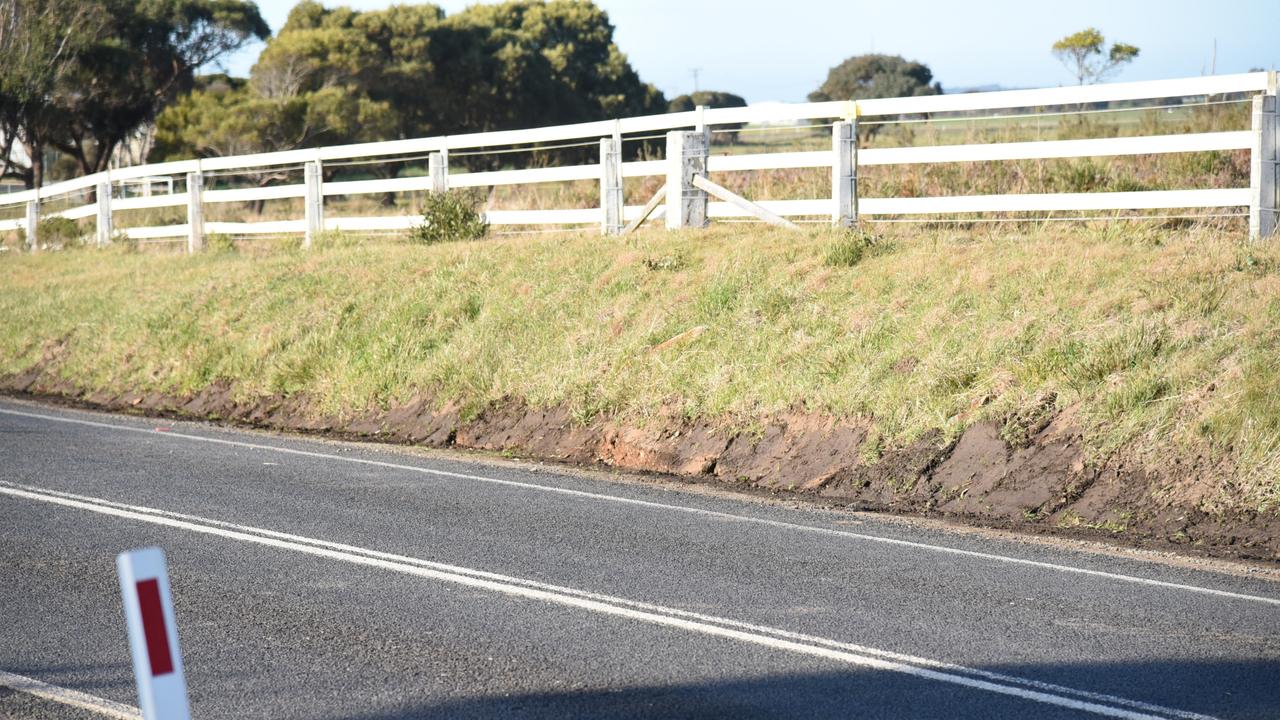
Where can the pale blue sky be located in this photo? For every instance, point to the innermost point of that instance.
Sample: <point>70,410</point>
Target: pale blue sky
<point>781,50</point>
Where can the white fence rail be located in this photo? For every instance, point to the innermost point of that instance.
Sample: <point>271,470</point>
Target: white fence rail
<point>685,198</point>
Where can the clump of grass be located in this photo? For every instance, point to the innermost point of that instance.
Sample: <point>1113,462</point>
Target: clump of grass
<point>219,244</point>
<point>666,263</point>
<point>851,246</point>
<point>450,216</point>
<point>330,239</point>
<point>1022,425</point>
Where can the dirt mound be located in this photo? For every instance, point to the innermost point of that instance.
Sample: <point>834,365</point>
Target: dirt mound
<point>1042,484</point>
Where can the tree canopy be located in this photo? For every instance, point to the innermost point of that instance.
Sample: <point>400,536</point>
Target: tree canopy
<point>709,98</point>
<point>339,75</point>
<point>97,70</point>
<point>1085,54</point>
<point>41,41</point>
<point>876,76</point>
<point>713,99</point>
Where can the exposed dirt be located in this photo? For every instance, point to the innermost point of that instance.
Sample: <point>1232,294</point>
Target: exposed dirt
<point>1040,484</point>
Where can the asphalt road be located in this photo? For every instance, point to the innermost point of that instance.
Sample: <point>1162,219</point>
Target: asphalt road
<point>329,580</point>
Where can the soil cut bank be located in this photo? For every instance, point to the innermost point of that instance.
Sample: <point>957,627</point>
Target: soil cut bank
<point>1043,484</point>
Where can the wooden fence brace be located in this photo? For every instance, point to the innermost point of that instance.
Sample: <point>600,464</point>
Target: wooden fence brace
<point>33,224</point>
<point>195,212</point>
<point>844,173</point>
<point>438,168</point>
<point>610,187</point>
<point>103,193</point>
<point>1264,169</point>
<point>701,182</point>
<point>646,211</point>
<point>686,159</point>
<point>315,203</point>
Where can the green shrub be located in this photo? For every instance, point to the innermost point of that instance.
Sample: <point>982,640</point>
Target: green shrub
<point>449,217</point>
<point>59,231</point>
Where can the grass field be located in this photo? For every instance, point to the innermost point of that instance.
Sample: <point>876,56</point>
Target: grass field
<point>1159,342</point>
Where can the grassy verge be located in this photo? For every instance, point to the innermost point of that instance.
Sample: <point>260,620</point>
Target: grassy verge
<point>1160,343</point>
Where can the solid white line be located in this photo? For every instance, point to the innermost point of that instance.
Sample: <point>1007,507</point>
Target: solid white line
<point>658,615</point>
<point>67,696</point>
<point>663,506</point>
<point>915,660</point>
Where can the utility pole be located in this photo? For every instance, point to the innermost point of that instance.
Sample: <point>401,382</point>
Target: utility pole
<point>695,72</point>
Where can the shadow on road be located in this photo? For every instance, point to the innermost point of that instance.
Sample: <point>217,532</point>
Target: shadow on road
<point>1216,689</point>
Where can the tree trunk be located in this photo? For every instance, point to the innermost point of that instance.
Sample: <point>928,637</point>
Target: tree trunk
<point>35,151</point>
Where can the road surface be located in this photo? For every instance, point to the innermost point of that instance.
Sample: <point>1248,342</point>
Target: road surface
<point>314,579</point>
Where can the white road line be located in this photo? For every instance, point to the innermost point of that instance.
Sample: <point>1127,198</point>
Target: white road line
<point>67,696</point>
<point>667,507</point>
<point>653,614</point>
<point>915,660</point>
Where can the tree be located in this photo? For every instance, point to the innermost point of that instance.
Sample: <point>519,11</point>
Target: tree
<point>410,71</point>
<point>146,57</point>
<point>712,99</point>
<point>41,41</point>
<point>1084,54</point>
<point>709,98</point>
<point>876,76</point>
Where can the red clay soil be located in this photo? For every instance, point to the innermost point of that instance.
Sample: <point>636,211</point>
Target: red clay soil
<point>1042,485</point>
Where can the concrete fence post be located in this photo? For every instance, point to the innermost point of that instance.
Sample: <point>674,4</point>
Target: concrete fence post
<point>314,204</point>
<point>610,186</point>
<point>686,158</point>
<point>103,193</point>
<point>33,225</point>
<point>1264,169</point>
<point>844,173</point>
<point>438,168</point>
<point>195,212</point>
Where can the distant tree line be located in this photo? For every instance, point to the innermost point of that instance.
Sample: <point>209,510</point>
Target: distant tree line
<point>338,75</point>
<point>79,78</point>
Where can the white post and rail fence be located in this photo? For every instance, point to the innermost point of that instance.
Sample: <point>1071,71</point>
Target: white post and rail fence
<point>690,196</point>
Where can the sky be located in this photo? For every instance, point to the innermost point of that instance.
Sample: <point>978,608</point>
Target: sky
<point>771,50</point>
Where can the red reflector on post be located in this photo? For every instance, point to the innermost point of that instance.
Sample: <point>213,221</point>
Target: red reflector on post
<point>153,627</point>
<point>153,635</point>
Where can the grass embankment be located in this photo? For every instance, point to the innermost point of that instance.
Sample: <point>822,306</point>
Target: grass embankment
<point>1159,343</point>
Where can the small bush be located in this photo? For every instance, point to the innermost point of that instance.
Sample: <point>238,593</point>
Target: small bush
<point>851,247</point>
<point>450,217</point>
<point>58,231</point>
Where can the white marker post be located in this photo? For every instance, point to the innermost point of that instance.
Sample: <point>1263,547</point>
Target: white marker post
<point>153,635</point>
